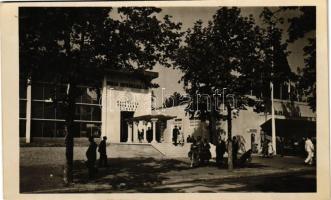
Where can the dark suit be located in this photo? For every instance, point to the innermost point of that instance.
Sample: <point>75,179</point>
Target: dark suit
<point>103,153</point>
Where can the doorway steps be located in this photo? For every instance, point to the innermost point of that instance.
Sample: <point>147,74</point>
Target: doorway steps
<point>133,150</point>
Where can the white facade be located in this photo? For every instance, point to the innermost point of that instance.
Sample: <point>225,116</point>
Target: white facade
<point>247,124</point>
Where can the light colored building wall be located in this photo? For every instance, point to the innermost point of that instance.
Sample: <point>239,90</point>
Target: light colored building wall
<point>125,99</point>
<point>246,123</point>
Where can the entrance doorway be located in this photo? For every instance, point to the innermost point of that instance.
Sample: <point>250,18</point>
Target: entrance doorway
<point>125,115</point>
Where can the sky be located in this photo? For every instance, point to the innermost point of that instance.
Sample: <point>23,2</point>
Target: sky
<point>168,77</point>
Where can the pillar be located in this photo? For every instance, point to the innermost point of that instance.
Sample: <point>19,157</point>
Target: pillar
<point>145,131</point>
<point>135,131</point>
<point>154,120</point>
<point>104,107</point>
<point>28,112</point>
<point>129,132</point>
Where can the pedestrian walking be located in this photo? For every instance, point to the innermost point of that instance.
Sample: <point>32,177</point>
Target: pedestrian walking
<point>281,145</point>
<point>91,155</point>
<point>205,154</point>
<point>175,133</point>
<point>193,154</point>
<point>220,150</point>
<point>270,150</point>
<point>309,147</point>
<point>149,135</point>
<point>103,153</point>
<point>235,149</point>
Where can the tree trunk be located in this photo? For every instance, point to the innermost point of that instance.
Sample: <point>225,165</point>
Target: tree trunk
<point>229,121</point>
<point>69,138</point>
<point>212,128</point>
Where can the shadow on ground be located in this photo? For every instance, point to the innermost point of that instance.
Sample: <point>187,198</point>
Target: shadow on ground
<point>151,175</point>
<point>126,173</point>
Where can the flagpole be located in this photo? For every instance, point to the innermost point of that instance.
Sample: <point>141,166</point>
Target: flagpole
<point>273,122</point>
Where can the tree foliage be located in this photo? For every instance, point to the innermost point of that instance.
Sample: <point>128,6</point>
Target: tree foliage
<point>175,99</point>
<point>231,52</point>
<point>77,46</point>
<point>299,27</point>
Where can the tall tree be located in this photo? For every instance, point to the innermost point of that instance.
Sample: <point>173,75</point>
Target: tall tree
<point>214,57</point>
<point>299,27</point>
<point>76,46</point>
<point>230,53</point>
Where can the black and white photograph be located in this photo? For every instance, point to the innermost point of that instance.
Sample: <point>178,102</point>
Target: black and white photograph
<point>157,99</point>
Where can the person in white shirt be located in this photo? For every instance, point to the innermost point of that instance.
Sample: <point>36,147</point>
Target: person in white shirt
<point>309,147</point>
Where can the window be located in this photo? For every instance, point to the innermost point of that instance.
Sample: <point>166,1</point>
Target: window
<point>49,129</point>
<point>59,129</point>
<point>36,128</point>
<point>22,125</point>
<point>49,111</point>
<point>48,92</point>
<point>37,109</point>
<point>96,113</point>
<point>37,92</point>
<point>22,109</point>
<point>85,112</point>
<point>22,90</point>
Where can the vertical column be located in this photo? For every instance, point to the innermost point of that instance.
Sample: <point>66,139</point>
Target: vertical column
<point>129,132</point>
<point>273,122</point>
<point>154,120</point>
<point>104,107</point>
<point>135,131</point>
<point>145,132</point>
<point>28,112</point>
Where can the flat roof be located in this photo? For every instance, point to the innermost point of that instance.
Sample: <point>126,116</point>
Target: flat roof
<point>150,75</point>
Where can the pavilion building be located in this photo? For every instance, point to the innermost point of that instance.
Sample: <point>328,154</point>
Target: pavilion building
<point>123,109</point>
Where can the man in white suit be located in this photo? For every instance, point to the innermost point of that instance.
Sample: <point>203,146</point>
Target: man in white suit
<point>309,147</point>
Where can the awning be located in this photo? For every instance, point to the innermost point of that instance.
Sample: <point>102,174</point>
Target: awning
<point>291,127</point>
<point>152,116</point>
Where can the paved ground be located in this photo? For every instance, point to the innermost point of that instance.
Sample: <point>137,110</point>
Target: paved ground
<point>43,174</point>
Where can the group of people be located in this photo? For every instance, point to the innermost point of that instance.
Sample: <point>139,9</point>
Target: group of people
<point>91,155</point>
<point>200,154</point>
<point>267,149</point>
<point>149,135</point>
<point>177,136</point>
<point>305,147</point>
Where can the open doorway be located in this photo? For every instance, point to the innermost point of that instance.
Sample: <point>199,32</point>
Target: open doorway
<point>125,115</point>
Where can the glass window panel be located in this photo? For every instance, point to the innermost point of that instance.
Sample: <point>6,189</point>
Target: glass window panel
<point>59,129</point>
<point>22,90</point>
<point>96,100</point>
<point>84,130</point>
<point>76,129</point>
<point>60,91</point>
<point>49,111</point>
<point>96,113</point>
<point>96,130</point>
<point>37,109</point>
<point>85,112</point>
<point>49,129</point>
<point>36,128</point>
<point>37,92</point>
<point>49,92</point>
<point>59,111</point>
<point>22,127</point>
<point>86,96</point>
<point>22,108</point>
<point>77,112</point>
